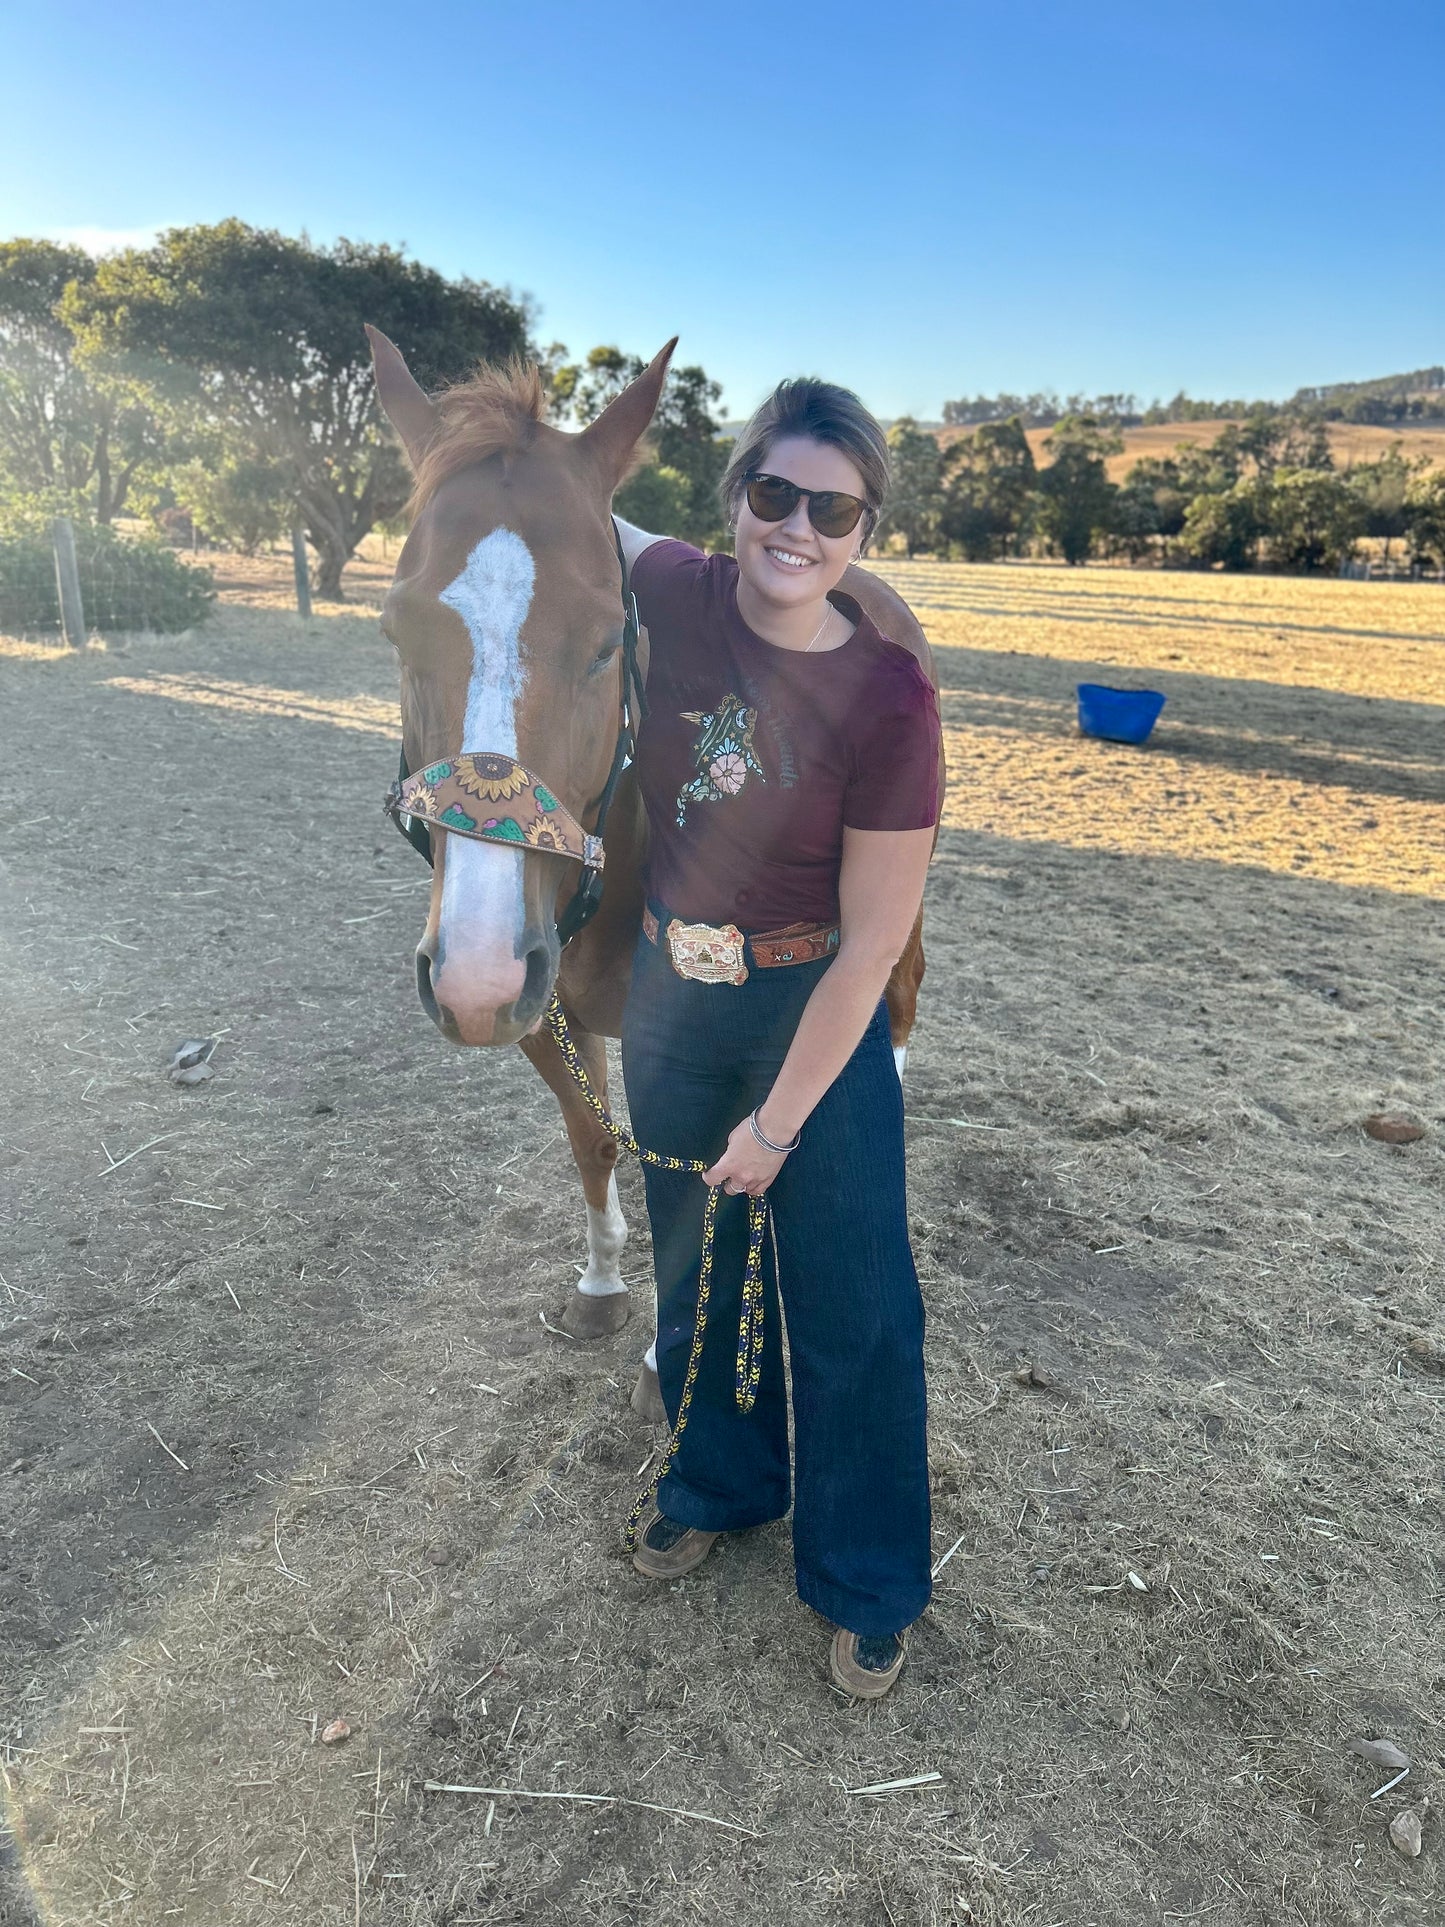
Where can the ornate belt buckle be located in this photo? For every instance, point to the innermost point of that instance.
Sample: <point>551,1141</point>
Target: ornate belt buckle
<point>706,952</point>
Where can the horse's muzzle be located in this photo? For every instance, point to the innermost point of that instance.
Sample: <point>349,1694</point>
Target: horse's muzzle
<point>492,1005</point>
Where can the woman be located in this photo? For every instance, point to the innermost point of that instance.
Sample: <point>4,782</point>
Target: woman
<point>789,764</point>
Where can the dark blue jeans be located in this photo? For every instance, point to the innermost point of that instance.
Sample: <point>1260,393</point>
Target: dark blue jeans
<point>696,1059</point>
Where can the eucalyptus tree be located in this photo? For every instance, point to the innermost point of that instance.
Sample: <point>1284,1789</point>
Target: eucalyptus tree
<point>254,342</point>
<point>72,432</point>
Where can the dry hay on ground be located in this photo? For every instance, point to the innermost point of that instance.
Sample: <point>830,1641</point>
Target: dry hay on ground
<point>1185,1345</point>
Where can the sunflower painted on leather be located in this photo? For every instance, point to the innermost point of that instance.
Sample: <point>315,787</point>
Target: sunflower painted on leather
<point>723,754</point>
<point>423,800</point>
<point>543,834</point>
<point>491,777</point>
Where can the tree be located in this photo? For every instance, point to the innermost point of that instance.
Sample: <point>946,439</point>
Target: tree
<point>1313,519</point>
<point>1151,503</point>
<point>1224,528</point>
<point>1262,440</point>
<point>582,390</point>
<point>242,501</point>
<point>915,494</point>
<point>256,343</point>
<point>684,437</point>
<point>1076,495</point>
<point>990,480</point>
<point>658,499</point>
<point>1382,489</point>
<point>69,429</point>
<point>1306,444</point>
<point>1425,517</point>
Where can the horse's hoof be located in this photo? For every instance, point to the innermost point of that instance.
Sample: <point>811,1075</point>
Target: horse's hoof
<point>647,1397</point>
<point>596,1314</point>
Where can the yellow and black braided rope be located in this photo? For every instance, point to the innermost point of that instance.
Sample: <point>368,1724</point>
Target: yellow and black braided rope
<point>750,1324</point>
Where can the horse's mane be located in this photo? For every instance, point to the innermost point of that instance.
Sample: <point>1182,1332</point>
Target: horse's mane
<point>496,412</point>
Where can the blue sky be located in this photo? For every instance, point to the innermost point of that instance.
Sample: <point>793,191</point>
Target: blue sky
<point>919,200</point>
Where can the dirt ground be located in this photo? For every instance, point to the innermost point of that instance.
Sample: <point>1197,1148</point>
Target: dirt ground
<point>286,1439</point>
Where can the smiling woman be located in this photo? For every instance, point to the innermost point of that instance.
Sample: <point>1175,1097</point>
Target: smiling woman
<point>790,767</point>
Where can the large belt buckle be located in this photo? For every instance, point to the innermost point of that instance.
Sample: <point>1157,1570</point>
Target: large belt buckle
<point>706,952</point>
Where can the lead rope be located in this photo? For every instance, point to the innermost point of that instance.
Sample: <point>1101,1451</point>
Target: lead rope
<point>750,1323</point>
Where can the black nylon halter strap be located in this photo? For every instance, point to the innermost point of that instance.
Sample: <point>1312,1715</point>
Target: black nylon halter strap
<point>587,897</point>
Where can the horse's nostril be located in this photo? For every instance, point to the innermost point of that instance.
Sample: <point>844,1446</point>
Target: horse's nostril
<point>423,985</point>
<point>541,957</point>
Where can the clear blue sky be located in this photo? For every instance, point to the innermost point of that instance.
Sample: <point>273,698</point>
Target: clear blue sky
<point>920,200</point>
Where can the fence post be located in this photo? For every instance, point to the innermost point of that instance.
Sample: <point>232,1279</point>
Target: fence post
<point>303,575</point>
<point>67,582</point>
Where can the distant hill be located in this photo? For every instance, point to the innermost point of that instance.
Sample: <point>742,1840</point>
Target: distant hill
<point>1416,401</point>
<point>1418,396</point>
<point>1423,384</point>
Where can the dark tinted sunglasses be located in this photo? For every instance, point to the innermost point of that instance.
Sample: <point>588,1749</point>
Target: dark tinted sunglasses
<point>773,499</point>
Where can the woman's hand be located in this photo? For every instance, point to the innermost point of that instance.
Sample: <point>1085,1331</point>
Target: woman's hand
<point>744,1165</point>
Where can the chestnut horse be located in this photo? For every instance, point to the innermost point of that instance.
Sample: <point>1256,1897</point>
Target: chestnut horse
<point>506,613</point>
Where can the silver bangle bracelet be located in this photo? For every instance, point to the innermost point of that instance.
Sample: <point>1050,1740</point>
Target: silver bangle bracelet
<point>779,1150</point>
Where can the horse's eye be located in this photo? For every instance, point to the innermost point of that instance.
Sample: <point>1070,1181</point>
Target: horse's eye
<point>603,657</point>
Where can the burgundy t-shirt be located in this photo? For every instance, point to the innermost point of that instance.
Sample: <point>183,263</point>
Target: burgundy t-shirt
<point>752,758</point>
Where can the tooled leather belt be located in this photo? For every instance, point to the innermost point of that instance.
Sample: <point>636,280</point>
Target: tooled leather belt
<point>714,953</point>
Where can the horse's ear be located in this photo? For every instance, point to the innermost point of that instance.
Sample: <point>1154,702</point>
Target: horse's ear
<point>623,422</point>
<point>411,413</point>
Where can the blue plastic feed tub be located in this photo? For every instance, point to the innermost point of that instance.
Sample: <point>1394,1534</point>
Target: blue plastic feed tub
<point>1118,715</point>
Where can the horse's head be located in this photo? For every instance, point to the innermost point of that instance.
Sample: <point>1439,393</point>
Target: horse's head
<point>506,613</point>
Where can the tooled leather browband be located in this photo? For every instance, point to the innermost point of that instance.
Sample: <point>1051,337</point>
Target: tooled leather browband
<point>493,799</point>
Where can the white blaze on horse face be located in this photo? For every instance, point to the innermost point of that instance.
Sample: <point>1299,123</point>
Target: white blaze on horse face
<point>482,910</point>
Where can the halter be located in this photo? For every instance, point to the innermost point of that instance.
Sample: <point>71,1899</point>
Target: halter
<point>495,799</point>
<point>492,798</point>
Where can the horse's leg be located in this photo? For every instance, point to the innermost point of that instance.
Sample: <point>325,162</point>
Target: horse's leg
<point>600,1303</point>
<point>902,993</point>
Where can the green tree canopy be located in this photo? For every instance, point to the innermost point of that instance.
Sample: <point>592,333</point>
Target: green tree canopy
<point>71,429</point>
<point>1076,495</point>
<point>1150,505</point>
<point>1224,528</point>
<point>255,342</point>
<point>1425,517</point>
<point>656,498</point>
<point>989,484</point>
<point>1382,489</point>
<point>915,495</point>
<point>683,438</point>
<point>1313,519</point>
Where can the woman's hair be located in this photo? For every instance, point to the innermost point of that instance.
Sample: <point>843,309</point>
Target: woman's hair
<point>823,412</point>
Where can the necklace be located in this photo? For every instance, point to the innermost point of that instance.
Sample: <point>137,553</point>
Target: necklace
<point>822,625</point>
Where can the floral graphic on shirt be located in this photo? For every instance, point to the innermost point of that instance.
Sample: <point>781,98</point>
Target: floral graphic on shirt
<point>723,754</point>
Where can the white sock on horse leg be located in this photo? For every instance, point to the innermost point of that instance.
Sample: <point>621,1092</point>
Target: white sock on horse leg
<point>650,1361</point>
<point>606,1235</point>
<point>900,1059</point>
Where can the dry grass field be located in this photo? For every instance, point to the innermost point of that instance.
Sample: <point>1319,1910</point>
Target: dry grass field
<point>285,1439</point>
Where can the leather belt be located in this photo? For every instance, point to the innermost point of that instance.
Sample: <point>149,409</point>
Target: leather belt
<point>719,953</point>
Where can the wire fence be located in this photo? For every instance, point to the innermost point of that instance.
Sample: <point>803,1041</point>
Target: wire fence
<point>71,582</point>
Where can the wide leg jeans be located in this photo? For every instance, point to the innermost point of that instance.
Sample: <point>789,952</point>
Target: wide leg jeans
<point>696,1059</point>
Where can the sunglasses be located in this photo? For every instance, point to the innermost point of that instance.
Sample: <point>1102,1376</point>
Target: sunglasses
<point>773,499</point>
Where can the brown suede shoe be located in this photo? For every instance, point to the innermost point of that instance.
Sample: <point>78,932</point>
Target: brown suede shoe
<point>864,1682</point>
<point>679,1548</point>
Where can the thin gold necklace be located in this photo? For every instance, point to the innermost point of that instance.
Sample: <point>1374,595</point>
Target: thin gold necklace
<point>828,610</point>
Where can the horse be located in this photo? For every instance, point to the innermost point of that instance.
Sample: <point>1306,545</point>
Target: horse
<point>508,615</point>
